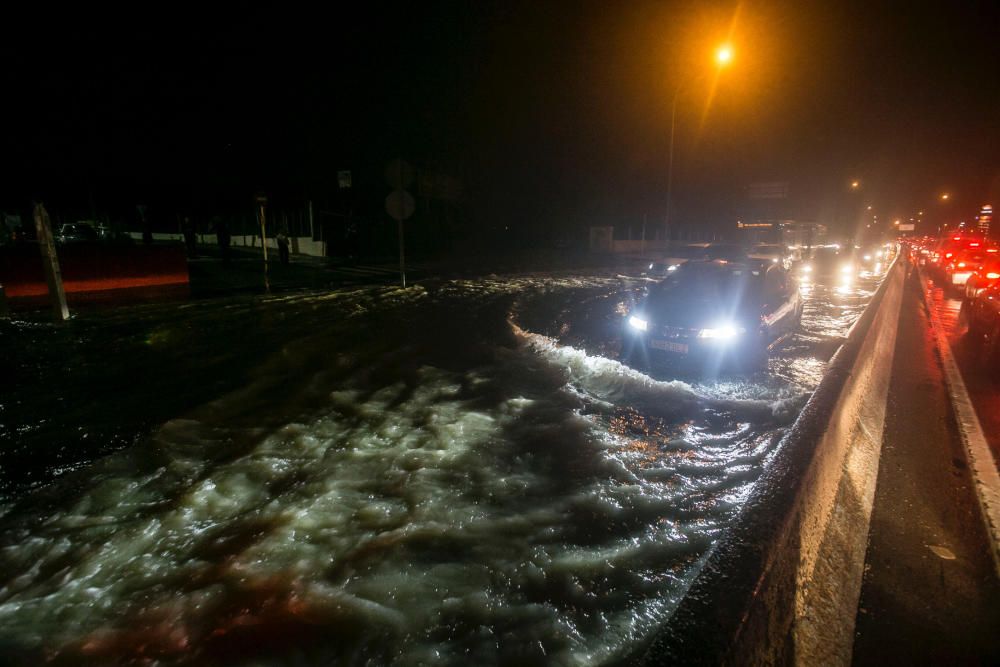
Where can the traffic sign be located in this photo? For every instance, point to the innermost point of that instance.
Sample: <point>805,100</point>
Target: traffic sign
<point>400,205</point>
<point>399,174</point>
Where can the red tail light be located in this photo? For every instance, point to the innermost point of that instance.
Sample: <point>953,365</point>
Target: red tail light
<point>992,275</point>
<point>973,245</point>
<point>948,255</point>
<point>961,265</point>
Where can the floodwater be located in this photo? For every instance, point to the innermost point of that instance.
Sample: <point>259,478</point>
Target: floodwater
<point>455,473</point>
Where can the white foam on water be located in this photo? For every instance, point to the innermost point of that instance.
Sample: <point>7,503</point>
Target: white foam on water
<point>541,504</point>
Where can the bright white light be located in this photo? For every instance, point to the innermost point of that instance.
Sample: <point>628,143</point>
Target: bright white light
<point>868,258</point>
<point>774,260</point>
<point>650,267</point>
<point>879,254</point>
<point>672,267</point>
<point>807,268</point>
<point>846,268</point>
<point>638,323</point>
<point>725,332</point>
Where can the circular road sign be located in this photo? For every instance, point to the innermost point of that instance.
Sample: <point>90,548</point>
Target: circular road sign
<point>399,204</point>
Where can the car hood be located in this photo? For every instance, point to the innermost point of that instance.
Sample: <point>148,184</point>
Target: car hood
<point>691,311</point>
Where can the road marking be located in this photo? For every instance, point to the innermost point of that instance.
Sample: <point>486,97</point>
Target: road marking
<point>985,477</point>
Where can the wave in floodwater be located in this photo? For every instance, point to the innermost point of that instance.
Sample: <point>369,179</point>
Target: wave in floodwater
<point>450,488</point>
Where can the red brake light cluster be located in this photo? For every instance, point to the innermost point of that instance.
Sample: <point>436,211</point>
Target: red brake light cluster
<point>992,275</point>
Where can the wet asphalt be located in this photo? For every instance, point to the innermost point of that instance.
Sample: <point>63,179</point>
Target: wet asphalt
<point>930,594</point>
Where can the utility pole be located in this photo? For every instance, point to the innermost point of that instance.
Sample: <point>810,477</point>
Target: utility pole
<point>50,262</point>
<point>262,205</point>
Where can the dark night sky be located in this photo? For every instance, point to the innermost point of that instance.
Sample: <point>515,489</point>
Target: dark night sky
<point>555,114</point>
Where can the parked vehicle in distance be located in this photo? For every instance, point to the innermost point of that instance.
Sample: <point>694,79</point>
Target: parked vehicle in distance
<point>76,232</point>
<point>715,311</point>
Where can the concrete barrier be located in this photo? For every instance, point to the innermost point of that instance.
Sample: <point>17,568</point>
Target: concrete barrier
<point>782,586</point>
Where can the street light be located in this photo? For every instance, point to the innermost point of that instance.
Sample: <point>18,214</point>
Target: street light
<point>723,56</point>
<point>855,185</point>
<point>945,197</point>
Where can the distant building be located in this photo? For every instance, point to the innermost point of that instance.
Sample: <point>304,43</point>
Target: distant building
<point>984,219</point>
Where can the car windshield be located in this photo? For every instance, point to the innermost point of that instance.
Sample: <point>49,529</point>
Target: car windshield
<point>730,253</point>
<point>707,281</point>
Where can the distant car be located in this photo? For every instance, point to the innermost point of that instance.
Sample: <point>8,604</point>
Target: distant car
<point>830,262</point>
<point>681,254</point>
<point>982,313</point>
<point>984,275</point>
<point>771,252</point>
<point>76,232</point>
<point>713,310</point>
<point>958,268</point>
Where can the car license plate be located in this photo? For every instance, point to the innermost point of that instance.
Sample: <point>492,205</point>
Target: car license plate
<point>669,346</point>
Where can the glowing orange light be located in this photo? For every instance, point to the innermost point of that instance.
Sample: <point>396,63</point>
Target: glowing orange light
<point>724,54</point>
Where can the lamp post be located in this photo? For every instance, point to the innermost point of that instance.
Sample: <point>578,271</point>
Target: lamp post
<point>723,56</point>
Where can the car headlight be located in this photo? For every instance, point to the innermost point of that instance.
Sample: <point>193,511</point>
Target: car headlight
<point>807,268</point>
<point>638,323</point>
<point>672,267</point>
<point>847,268</point>
<point>868,258</point>
<point>725,332</point>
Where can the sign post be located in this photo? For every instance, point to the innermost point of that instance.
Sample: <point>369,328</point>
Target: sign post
<point>262,206</point>
<point>400,204</point>
<point>50,261</point>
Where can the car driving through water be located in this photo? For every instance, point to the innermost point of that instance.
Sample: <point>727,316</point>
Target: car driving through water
<point>715,311</point>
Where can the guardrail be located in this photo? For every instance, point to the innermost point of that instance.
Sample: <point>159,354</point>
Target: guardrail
<point>782,586</point>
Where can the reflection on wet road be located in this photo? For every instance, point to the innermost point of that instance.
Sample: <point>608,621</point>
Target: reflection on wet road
<point>979,381</point>
<point>455,474</point>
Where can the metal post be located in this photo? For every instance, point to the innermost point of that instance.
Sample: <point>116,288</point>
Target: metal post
<point>312,230</point>
<point>50,261</point>
<point>642,244</point>
<point>402,255</point>
<point>262,203</point>
<point>670,163</point>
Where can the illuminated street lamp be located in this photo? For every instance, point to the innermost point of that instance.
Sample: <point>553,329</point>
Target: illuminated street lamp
<point>945,197</point>
<point>723,56</point>
<point>855,185</point>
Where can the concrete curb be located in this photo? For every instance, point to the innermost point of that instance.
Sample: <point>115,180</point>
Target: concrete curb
<point>985,477</point>
<point>782,586</point>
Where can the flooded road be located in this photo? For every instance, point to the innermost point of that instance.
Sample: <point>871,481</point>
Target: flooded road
<point>455,473</point>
